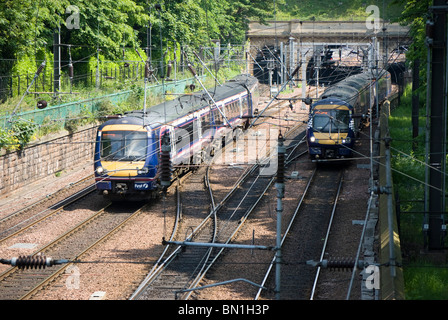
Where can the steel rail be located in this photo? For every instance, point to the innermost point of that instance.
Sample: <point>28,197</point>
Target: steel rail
<point>209,264</point>
<point>162,265</point>
<point>11,270</point>
<point>324,247</point>
<point>272,264</point>
<point>248,212</point>
<point>47,197</point>
<point>156,268</point>
<point>163,262</point>
<point>213,214</point>
<point>82,253</point>
<point>73,198</point>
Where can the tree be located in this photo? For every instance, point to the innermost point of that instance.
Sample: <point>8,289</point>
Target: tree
<point>415,15</point>
<point>112,26</point>
<point>240,12</point>
<point>105,25</point>
<point>24,29</point>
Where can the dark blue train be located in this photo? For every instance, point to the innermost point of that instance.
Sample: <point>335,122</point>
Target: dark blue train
<point>337,117</point>
<point>128,148</point>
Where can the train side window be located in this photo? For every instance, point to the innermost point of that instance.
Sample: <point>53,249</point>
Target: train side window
<point>189,128</point>
<point>205,121</point>
<point>229,112</point>
<point>233,110</point>
<point>218,117</point>
<point>185,135</point>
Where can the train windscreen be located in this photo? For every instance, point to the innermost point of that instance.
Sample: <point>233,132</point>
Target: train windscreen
<point>333,120</point>
<point>124,145</point>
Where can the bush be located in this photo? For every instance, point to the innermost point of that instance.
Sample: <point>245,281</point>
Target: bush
<point>105,107</point>
<point>23,130</point>
<point>8,140</point>
<point>18,136</point>
<point>71,123</point>
<point>49,126</point>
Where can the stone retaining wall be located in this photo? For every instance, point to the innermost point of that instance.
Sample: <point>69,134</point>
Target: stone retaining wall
<point>45,158</point>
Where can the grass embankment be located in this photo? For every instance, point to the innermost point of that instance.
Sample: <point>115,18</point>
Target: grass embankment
<point>424,280</point>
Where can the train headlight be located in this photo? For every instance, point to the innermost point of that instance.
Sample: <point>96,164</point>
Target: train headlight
<point>312,138</point>
<point>100,170</point>
<point>143,170</point>
<point>347,140</point>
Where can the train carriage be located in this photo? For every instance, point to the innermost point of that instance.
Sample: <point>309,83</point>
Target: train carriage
<point>337,117</point>
<point>127,148</point>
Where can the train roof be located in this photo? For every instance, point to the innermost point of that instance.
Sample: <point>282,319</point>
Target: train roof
<point>348,88</point>
<point>331,101</point>
<point>183,105</point>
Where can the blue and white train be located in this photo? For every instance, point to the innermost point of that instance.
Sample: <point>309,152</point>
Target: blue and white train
<point>127,148</point>
<point>337,117</point>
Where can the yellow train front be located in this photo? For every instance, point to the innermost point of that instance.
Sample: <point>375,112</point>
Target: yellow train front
<point>126,159</point>
<point>330,132</point>
<point>336,119</point>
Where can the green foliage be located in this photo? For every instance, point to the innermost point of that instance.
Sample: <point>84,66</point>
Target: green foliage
<point>23,131</point>
<point>115,29</point>
<point>340,9</point>
<point>105,107</point>
<point>71,123</point>
<point>426,282</point>
<point>106,24</point>
<point>26,29</point>
<point>8,140</point>
<point>24,24</point>
<point>111,68</point>
<point>414,15</point>
<point>49,126</point>
<point>408,156</point>
<point>27,66</point>
<point>423,280</point>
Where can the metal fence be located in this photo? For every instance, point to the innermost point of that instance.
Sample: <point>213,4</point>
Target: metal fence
<point>61,112</point>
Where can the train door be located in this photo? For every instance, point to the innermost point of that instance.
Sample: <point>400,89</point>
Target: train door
<point>197,133</point>
<point>224,113</point>
<point>218,126</point>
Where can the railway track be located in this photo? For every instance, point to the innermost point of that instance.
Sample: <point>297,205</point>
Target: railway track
<point>184,268</point>
<point>17,283</point>
<point>170,273</point>
<point>42,209</point>
<point>178,274</point>
<point>314,212</point>
<point>36,279</point>
<point>24,220</point>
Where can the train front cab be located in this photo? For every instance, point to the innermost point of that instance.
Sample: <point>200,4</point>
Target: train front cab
<point>330,132</point>
<point>125,162</point>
